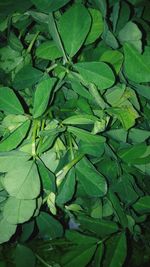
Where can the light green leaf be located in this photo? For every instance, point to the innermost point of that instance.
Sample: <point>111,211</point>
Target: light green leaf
<point>6,230</point>
<point>18,210</point>
<point>23,182</point>
<point>136,66</point>
<point>115,58</point>
<point>93,182</point>
<point>26,77</point>
<point>86,136</point>
<point>15,138</point>
<point>66,188</point>
<point>78,20</point>
<point>116,250</point>
<point>9,101</point>
<point>41,97</point>
<point>130,33</point>
<point>80,119</point>
<point>48,226</point>
<point>142,206</point>
<point>97,26</point>
<point>98,73</point>
<point>9,160</point>
<point>48,50</point>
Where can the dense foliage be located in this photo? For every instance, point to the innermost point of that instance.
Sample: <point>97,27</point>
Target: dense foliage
<point>74,129</point>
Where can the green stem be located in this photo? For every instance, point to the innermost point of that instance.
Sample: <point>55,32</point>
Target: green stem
<point>35,126</point>
<point>51,67</point>
<point>70,146</point>
<point>62,173</point>
<point>32,42</point>
<point>43,261</point>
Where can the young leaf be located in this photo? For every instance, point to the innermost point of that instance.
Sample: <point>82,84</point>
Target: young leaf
<point>48,50</point>
<point>41,97</point>
<point>78,20</point>
<point>18,210</point>
<point>15,138</point>
<point>9,101</point>
<point>98,73</point>
<point>23,182</point>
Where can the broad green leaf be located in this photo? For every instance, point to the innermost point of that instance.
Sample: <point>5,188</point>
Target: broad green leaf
<point>142,90</point>
<point>131,34</point>
<point>86,136</point>
<point>116,251</point>
<point>97,26</point>
<point>48,226</point>
<point>48,50</point>
<point>49,5</point>
<point>78,20</point>
<point>138,135</point>
<point>126,114</point>
<point>92,181</point>
<point>47,177</point>
<point>81,90</point>
<point>6,230</point>
<point>98,256</point>
<point>98,73</point>
<point>91,149</point>
<point>79,238</point>
<point>15,138</point>
<point>9,101</point>
<point>131,153</point>
<point>142,206</point>
<point>10,59</point>
<point>26,77</point>
<point>80,256</point>
<point>18,210</point>
<point>66,188</point>
<point>23,182</point>
<point>80,119</point>
<point>27,230</point>
<point>9,160</point>
<point>136,66</point>
<point>41,97</point>
<point>99,227</point>
<point>115,58</point>
<point>23,256</point>
<point>15,43</point>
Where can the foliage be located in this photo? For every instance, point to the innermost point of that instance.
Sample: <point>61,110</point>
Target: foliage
<point>74,133</point>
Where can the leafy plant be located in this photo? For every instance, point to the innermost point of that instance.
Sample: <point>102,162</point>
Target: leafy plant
<point>74,129</point>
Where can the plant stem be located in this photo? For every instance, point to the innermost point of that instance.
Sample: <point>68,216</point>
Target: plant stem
<point>43,261</point>
<point>51,67</point>
<point>70,145</point>
<point>35,125</point>
<point>32,42</point>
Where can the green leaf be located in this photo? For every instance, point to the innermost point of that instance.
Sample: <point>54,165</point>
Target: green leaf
<point>142,206</point>
<point>23,182</point>
<point>48,50</point>
<point>86,136</point>
<point>48,226</point>
<point>115,58</point>
<point>9,101</point>
<point>131,34</point>
<point>126,114</point>
<point>9,160</point>
<point>40,103</point>
<point>138,135</point>
<point>49,5</point>
<point>26,77</point>
<point>92,181</point>
<point>131,153</point>
<point>116,250</point>
<point>96,28</point>
<point>98,256</point>
<point>136,66</point>
<point>79,257</point>
<point>78,20</point>
<point>99,227</point>
<point>66,188</point>
<point>6,230</point>
<point>98,73</point>
<point>47,177</point>
<point>80,119</point>
<point>23,256</point>
<point>18,210</point>
<point>15,138</point>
